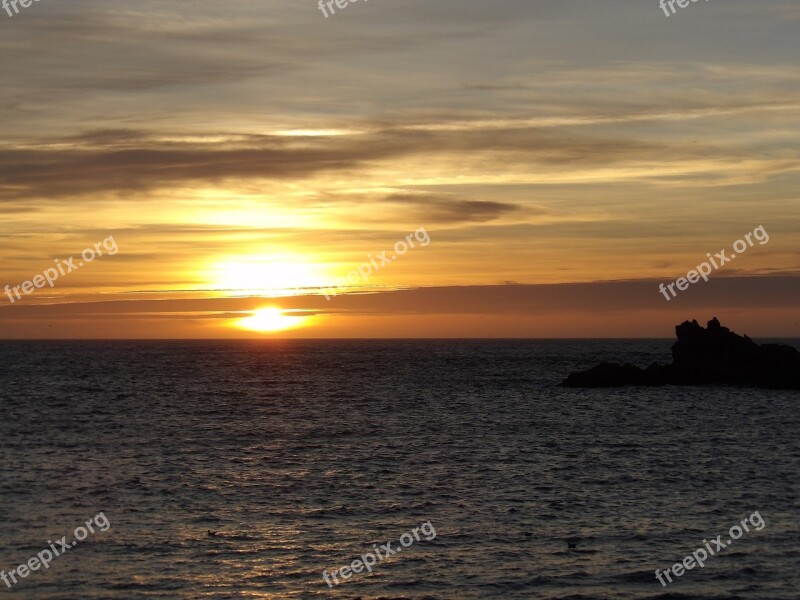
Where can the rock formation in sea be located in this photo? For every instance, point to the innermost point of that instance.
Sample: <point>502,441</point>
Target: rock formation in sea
<point>704,356</point>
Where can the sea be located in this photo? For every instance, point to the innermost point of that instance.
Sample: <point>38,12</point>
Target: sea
<point>249,469</point>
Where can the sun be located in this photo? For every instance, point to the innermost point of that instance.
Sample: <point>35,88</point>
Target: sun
<point>270,276</point>
<point>270,319</point>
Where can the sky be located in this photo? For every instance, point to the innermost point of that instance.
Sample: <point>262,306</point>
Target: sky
<point>553,162</point>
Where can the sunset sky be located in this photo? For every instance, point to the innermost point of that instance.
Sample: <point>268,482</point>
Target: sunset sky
<point>563,156</point>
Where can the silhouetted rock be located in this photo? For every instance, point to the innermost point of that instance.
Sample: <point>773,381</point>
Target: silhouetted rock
<point>701,356</point>
<point>606,374</point>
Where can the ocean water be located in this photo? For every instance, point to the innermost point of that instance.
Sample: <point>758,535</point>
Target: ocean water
<point>299,456</point>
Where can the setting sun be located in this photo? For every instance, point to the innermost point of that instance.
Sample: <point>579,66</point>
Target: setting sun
<point>283,275</point>
<point>270,319</point>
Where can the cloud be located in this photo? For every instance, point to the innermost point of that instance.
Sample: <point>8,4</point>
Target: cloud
<point>135,164</point>
<point>758,306</point>
<point>761,292</point>
<point>439,208</point>
<point>124,161</point>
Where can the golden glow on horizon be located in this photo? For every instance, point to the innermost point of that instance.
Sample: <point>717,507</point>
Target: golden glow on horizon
<point>271,319</point>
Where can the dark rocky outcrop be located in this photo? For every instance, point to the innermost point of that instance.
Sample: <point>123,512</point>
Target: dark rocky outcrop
<point>702,356</point>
